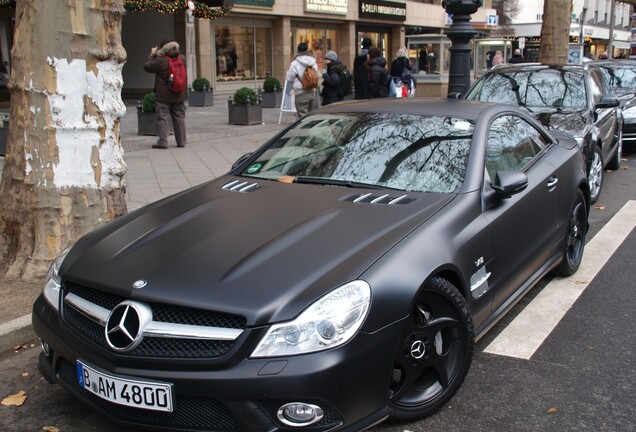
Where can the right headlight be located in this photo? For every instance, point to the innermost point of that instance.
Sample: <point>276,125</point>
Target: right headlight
<point>53,281</point>
<point>330,321</point>
<point>630,113</point>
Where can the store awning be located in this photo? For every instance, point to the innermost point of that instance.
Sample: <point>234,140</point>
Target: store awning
<point>620,44</point>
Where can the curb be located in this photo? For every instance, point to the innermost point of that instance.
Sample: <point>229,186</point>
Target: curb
<point>16,332</point>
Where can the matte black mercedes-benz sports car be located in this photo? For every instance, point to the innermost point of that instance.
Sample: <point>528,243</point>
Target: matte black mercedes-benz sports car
<point>336,277</point>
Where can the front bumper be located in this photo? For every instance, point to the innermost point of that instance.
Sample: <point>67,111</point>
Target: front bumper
<point>349,383</point>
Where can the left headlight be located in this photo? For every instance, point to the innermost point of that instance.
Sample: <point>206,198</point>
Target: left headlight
<point>53,281</point>
<point>330,321</point>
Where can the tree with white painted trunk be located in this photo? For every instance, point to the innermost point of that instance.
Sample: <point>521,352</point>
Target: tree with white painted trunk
<point>555,32</point>
<point>64,168</point>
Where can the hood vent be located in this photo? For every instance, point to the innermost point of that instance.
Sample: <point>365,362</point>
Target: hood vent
<point>239,186</point>
<point>379,199</point>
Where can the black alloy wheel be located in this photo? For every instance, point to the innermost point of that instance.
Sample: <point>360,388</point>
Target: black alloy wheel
<point>576,231</point>
<point>434,353</point>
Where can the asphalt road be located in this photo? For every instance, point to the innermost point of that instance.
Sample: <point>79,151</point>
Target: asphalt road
<point>582,378</point>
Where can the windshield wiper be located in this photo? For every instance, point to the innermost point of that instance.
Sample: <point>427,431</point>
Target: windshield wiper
<point>336,182</point>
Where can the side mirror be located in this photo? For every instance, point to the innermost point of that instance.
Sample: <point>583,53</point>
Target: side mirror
<point>607,101</point>
<point>240,160</point>
<point>509,183</point>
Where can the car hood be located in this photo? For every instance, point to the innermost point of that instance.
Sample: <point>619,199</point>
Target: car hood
<point>265,253</point>
<point>572,122</point>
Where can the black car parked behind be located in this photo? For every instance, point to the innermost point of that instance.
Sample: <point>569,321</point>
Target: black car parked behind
<point>573,98</point>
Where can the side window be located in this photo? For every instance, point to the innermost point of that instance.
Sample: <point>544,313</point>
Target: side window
<point>512,144</point>
<point>596,86</point>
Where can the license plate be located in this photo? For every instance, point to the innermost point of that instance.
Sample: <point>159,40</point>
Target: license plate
<point>150,395</point>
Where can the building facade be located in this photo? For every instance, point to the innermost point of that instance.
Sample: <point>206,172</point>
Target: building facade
<point>590,23</point>
<point>259,38</point>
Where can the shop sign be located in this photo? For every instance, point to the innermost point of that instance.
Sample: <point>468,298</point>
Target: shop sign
<point>338,7</point>
<point>381,9</point>
<point>255,3</point>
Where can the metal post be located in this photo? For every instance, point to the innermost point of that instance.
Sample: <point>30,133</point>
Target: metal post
<point>460,33</point>
<point>610,45</point>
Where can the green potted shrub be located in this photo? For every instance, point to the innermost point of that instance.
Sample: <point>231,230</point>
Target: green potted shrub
<point>201,93</point>
<point>272,93</point>
<point>245,107</point>
<point>146,122</point>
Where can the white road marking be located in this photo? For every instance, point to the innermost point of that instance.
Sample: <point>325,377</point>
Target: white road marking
<point>523,336</point>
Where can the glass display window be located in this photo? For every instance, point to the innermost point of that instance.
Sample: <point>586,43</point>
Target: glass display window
<point>242,53</point>
<point>319,40</point>
<point>430,56</point>
<point>378,39</point>
<point>484,52</point>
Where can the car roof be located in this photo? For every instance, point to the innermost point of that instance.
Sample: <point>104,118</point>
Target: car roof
<point>532,67</point>
<point>460,108</point>
<point>621,63</point>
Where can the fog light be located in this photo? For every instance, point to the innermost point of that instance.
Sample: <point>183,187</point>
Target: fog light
<point>299,414</point>
<point>46,348</point>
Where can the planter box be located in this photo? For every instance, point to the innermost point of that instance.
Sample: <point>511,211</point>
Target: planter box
<point>4,135</point>
<point>146,123</point>
<point>244,114</point>
<point>272,99</point>
<point>200,98</point>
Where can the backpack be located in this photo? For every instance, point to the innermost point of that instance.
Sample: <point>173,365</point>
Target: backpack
<point>344,85</point>
<point>309,79</point>
<point>176,74</point>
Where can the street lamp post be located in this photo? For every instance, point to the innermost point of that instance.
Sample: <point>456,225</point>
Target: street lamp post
<point>460,33</point>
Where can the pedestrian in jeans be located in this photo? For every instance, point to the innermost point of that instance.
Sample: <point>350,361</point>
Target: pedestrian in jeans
<point>304,98</point>
<point>170,107</point>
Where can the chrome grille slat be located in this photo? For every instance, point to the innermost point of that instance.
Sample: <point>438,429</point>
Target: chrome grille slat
<point>241,186</point>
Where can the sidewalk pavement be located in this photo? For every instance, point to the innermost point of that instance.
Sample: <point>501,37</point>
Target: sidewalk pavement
<point>213,146</point>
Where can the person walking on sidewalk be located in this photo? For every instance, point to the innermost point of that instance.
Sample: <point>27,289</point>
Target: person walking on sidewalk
<point>305,98</point>
<point>331,79</point>
<point>361,75</point>
<point>379,74</point>
<point>170,108</point>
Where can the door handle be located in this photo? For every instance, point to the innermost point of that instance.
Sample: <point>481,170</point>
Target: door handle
<point>552,182</point>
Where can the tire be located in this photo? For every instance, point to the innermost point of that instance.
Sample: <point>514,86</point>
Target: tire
<point>595,175</point>
<point>615,162</point>
<point>575,233</point>
<point>434,353</point>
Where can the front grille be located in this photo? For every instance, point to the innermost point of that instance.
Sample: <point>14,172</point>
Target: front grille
<point>192,413</point>
<point>154,346</point>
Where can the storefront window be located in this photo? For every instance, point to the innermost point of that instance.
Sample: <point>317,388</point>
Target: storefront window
<point>242,53</point>
<point>430,56</point>
<point>485,52</point>
<point>380,40</point>
<point>319,41</point>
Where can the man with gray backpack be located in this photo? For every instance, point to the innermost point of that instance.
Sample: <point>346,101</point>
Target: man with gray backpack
<point>303,74</point>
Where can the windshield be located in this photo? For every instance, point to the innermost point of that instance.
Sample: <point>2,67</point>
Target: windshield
<point>543,88</point>
<point>397,151</point>
<point>620,77</point>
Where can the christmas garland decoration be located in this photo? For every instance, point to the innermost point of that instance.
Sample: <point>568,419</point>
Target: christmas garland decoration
<point>170,7</point>
<point>165,7</point>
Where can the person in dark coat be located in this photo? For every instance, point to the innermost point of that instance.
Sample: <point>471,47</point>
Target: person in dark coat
<point>361,71</point>
<point>401,69</point>
<point>379,75</point>
<point>516,57</point>
<point>170,106</point>
<point>331,79</point>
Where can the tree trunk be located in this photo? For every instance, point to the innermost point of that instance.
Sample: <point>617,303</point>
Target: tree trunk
<point>64,168</point>
<point>555,32</point>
